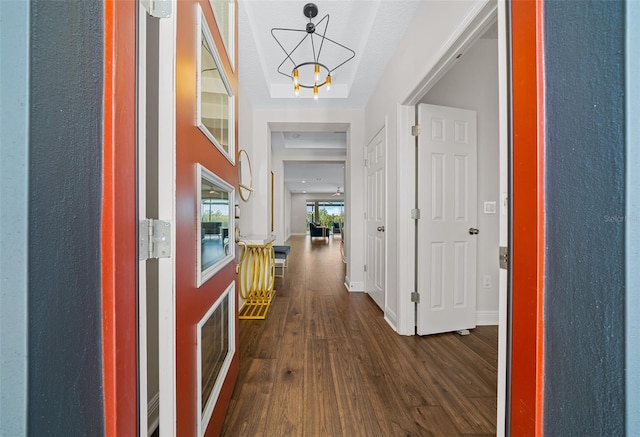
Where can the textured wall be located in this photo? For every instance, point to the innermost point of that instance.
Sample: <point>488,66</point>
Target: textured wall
<point>633,218</point>
<point>65,384</point>
<point>585,170</point>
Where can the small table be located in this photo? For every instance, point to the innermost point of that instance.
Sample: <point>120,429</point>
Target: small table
<point>256,276</point>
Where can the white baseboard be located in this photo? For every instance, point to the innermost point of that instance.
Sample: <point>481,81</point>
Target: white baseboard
<point>391,318</point>
<point>354,285</point>
<point>486,318</point>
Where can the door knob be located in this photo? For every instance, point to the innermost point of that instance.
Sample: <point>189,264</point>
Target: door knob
<point>381,228</point>
<point>473,231</point>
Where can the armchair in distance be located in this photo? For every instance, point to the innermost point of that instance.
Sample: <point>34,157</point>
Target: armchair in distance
<point>318,231</point>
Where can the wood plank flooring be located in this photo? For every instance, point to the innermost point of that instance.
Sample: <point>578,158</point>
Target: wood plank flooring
<point>325,363</point>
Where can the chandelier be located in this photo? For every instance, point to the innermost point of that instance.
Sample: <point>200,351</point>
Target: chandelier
<point>309,70</point>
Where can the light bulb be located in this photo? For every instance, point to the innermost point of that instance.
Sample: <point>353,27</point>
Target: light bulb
<point>296,89</point>
<point>295,77</point>
<point>316,70</point>
<point>315,92</point>
<point>328,82</point>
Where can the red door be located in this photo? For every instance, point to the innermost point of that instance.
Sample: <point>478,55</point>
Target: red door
<point>206,125</point>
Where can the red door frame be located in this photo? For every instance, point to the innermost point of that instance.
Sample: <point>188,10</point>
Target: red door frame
<point>527,252</point>
<point>119,223</point>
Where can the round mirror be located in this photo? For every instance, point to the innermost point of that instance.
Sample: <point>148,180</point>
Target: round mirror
<point>245,179</point>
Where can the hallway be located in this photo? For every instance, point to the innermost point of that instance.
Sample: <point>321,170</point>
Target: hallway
<point>325,363</point>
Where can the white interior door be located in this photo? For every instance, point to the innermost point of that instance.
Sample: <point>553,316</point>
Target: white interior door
<point>375,210</point>
<point>447,198</point>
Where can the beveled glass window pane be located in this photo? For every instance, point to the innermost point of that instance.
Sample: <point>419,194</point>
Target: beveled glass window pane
<point>216,224</point>
<point>216,347</point>
<point>224,11</point>
<point>215,98</point>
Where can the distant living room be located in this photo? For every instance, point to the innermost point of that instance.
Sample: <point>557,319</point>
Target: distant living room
<point>325,218</point>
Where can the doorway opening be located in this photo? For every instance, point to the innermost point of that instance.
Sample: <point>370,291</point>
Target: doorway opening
<point>487,29</point>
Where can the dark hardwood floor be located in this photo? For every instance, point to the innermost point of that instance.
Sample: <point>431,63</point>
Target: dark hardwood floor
<point>325,363</point>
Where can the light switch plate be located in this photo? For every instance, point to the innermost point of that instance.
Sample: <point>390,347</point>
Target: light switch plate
<point>489,207</point>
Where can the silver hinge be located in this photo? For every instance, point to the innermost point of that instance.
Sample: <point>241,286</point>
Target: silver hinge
<point>366,162</point>
<point>155,239</point>
<point>415,297</point>
<point>415,130</point>
<point>415,214</point>
<point>504,257</point>
<point>157,8</point>
<point>365,267</point>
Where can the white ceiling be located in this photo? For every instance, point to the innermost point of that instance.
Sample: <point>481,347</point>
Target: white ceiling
<point>317,177</point>
<point>371,28</point>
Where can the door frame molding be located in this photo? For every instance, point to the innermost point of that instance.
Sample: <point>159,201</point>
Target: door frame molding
<point>480,19</point>
<point>141,201</point>
<point>166,211</point>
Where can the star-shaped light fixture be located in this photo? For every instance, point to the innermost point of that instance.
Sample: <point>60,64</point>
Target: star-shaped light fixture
<point>309,70</point>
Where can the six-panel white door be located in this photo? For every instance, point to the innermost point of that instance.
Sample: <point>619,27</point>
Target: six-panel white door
<point>447,198</point>
<point>375,209</point>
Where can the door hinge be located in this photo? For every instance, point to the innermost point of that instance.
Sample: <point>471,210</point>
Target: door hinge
<point>415,297</point>
<point>365,267</point>
<point>155,239</point>
<point>366,162</point>
<point>415,214</point>
<point>157,8</point>
<point>415,130</point>
<point>504,257</point>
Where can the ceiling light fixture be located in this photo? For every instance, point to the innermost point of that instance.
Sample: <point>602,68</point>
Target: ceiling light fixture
<point>308,69</point>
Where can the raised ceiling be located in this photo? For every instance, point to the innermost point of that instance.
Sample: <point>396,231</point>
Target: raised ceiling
<point>372,28</point>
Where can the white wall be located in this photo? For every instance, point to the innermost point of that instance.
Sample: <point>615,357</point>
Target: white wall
<point>287,214</point>
<point>249,210</point>
<point>473,84</point>
<point>434,28</point>
<point>298,214</point>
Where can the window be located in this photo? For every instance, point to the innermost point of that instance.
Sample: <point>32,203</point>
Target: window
<point>216,347</point>
<point>215,248</point>
<point>325,212</point>
<point>224,12</point>
<point>215,110</point>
